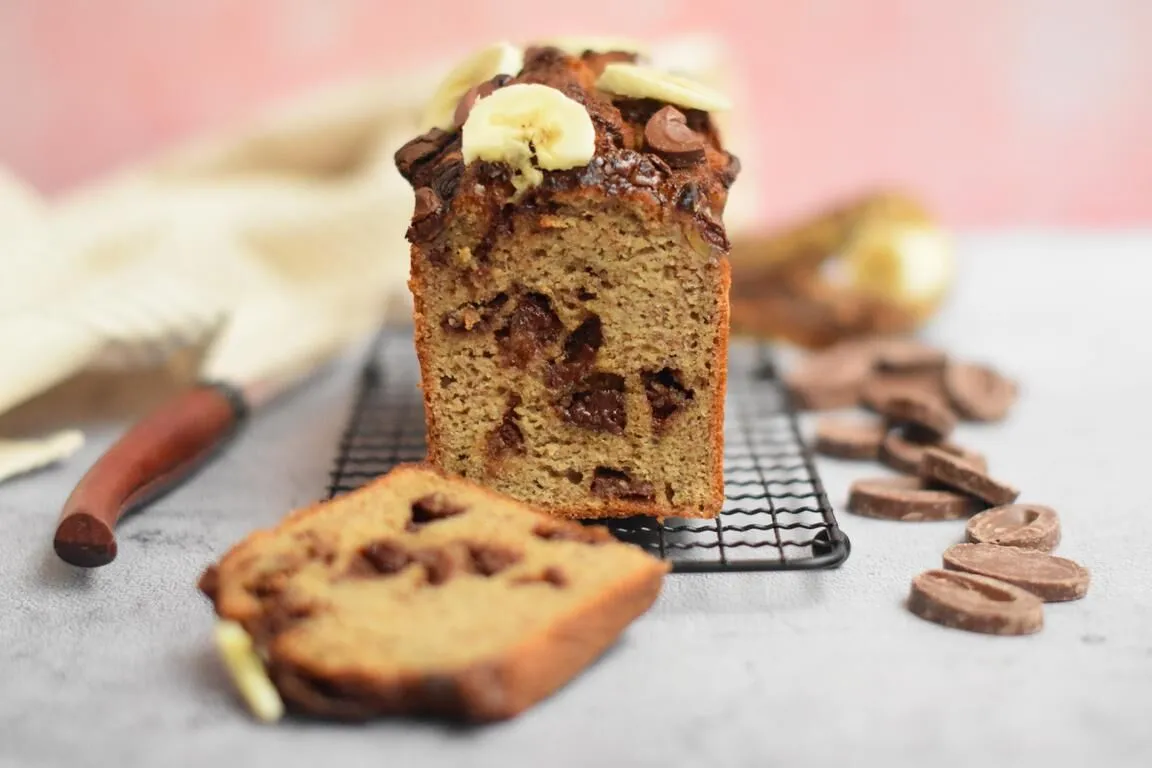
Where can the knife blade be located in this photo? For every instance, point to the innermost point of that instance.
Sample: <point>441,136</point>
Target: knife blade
<point>267,346</point>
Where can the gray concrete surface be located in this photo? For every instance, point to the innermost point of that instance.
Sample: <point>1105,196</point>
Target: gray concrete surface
<point>115,667</point>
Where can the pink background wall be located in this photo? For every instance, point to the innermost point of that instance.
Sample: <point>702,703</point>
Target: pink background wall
<point>998,111</point>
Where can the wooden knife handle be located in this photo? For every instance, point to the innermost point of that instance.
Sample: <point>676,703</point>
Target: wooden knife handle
<point>152,458</point>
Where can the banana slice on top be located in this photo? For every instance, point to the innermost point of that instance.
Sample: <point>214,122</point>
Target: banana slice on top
<point>520,122</point>
<point>498,59</point>
<point>575,46</point>
<point>640,82</point>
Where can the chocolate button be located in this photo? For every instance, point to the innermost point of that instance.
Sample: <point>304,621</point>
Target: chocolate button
<point>921,411</point>
<point>902,451</point>
<point>954,472</point>
<point>1050,578</point>
<point>909,355</point>
<point>420,150</point>
<point>906,498</point>
<point>978,392</point>
<point>975,603</point>
<point>1027,526</point>
<point>832,378</point>
<point>849,438</point>
<point>668,134</point>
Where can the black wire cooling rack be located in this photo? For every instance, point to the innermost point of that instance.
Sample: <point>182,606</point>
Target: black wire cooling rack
<point>776,515</point>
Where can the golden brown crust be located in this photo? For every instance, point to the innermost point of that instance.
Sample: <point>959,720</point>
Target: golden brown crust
<point>279,583</point>
<point>421,323</point>
<point>720,361</point>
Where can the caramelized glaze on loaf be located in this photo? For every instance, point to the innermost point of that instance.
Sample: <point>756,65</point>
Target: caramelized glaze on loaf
<point>572,339</point>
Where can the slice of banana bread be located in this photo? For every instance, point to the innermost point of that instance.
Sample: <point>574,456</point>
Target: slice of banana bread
<point>570,281</point>
<point>426,594</point>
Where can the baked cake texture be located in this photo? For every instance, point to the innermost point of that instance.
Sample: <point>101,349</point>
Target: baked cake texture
<point>424,594</point>
<point>570,281</point>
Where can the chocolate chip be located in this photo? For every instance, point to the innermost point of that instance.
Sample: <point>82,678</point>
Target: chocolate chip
<point>620,172</point>
<point>688,198</point>
<point>1052,579</point>
<point>433,507</point>
<point>474,94</point>
<point>532,326</point>
<point>638,111</point>
<point>555,577</point>
<point>617,484</point>
<point>599,406</point>
<point>425,222</point>
<point>731,170</point>
<point>580,350</point>
<point>666,395</point>
<point>488,560</point>
<point>447,174</point>
<point>668,134</point>
<point>1027,526</point>
<point>314,546</point>
<point>384,557</point>
<point>645,171</point>
<point>506,439</point>
<point>954,472</point>
<point>474,315</point>
<point>975,603</point>
<point>550,575</point>
<point>427,204</point>
<point>906,498</point>
<point>279,617</point>
<point>420,150</point>
<point>582,344</point>
<point>269,584</point>
<point>439,565</point>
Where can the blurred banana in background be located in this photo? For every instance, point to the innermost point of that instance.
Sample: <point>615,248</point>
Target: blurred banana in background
<point>876,264</point>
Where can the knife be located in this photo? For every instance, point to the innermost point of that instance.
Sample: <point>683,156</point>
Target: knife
<point>266,347</point>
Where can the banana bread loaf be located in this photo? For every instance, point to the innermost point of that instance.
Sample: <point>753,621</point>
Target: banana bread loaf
<point>428,595</point>
<point>570,281</point>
